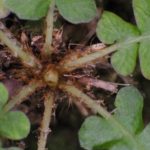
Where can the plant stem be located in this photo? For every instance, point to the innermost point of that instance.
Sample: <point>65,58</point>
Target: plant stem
<point>86,100</point>
<point>16,48</point>
<point>74,62</point>
<point>48,103</point>
<point>90,103</point>
<point>71,64</point>
<point>23,93</point>
<point>49,29</point>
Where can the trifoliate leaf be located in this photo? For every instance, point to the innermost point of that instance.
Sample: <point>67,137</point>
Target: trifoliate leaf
<point>14,125</point>
<point>77,11</point>
<point>28,9</point>
<point>99,133</point>
<point>3,10</point>
<point>112,28</point>
<point>3,95</point>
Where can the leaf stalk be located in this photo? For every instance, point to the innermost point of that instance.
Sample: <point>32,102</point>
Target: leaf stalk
<point>23,93</point>
<point>49,30</point>
<point>17,48</point>
<point>73,62</point>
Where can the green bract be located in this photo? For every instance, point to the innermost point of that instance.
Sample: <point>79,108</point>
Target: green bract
<point>77,11</point>
<point>13,124</point>
<point>98,133</point>
<point>112,28</point>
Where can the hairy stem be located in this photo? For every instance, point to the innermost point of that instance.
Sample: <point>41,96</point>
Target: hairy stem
<point>86,100</point>
<point>49,29</point>
<point>17,48</point>
<point>74,62</point>
<point>90,103</point>
<point>48,103</point>
<point>23,93</point>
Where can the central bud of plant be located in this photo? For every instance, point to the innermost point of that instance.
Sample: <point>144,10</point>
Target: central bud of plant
<point>51,76</point>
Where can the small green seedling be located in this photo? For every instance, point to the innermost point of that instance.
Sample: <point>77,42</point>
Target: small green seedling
<point>121,131</point>
<point>13,124</point>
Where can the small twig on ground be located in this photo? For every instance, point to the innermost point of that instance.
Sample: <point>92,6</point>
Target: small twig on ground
<point>44,131</point>
<point>108,86</point>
